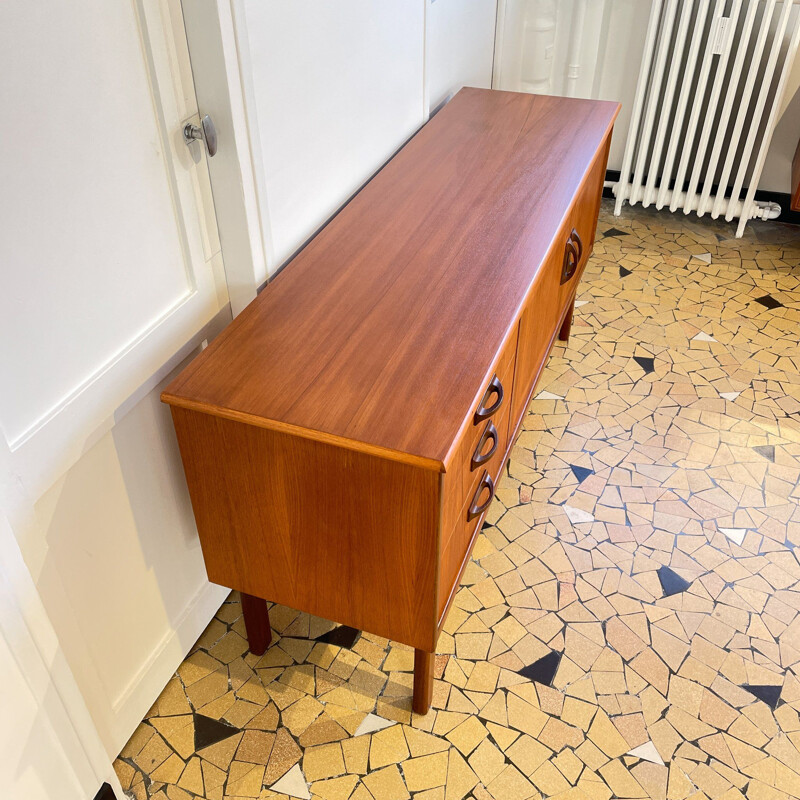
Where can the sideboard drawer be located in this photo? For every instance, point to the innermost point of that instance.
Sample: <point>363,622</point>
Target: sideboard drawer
<point>492,465</point>
<point>457,540</point>
<point>484,439</point>
<point>453,555</point>
<point>456,544</point>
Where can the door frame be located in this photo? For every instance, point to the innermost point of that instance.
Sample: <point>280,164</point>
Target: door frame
<point>218,44</point>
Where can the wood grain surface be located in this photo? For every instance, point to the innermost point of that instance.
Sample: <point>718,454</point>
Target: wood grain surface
<point>347,536</point>
<point>379,335</point>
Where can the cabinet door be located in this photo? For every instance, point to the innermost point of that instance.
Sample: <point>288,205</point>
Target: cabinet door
<point>537,329</point>
<point>553,291</point>
<point>583,222</point>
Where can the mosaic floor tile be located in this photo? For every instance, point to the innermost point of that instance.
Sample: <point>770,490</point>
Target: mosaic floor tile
<point>544,395</point>
<point>208,731</point>
<point>341,636</point>
<point>646,363</point>
<point>671,582</point>
<point>646,752</point>
<point>766,450</point>
<point>629,625</point>
<point>769,302</point>
<point>768,694</point>
<point>292,784</point>
<point>544,670</point>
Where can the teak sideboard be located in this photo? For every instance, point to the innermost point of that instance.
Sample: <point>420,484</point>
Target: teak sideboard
<point>343,436</point>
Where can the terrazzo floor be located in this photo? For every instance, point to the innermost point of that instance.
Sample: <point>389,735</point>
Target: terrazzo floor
<point>629,626</point>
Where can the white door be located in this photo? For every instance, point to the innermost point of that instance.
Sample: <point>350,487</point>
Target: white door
<point>110,256</point>
<point>111,275</point>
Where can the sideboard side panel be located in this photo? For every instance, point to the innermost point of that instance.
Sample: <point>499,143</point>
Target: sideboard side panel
<point>338,533</point>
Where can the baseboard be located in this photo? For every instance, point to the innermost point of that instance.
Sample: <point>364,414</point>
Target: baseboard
<point>783,199</point>
<point>139,695</point>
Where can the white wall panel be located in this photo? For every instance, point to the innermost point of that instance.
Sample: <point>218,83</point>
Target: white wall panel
<point>460,46</point>
<point>49,746</point>
<point>113,548</point>
<point>778,166</point>
<point>334,89</point>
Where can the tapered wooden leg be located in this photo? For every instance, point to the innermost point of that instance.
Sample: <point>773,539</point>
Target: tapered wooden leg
<point>256,622</point>
<point>566,325</point>
<point>423,681</point>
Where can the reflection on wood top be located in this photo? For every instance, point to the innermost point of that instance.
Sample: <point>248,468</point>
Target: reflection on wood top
<point>381,331</point>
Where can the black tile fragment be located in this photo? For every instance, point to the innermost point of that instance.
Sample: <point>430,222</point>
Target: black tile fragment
<point>105,793</point>
<point>615,232</point>
<point>768,301</point>
<point>671,582</point>
<point>342,636</point>
<point>623,273</point>
<point>647,364</point>
<point>208,731</point>
<point>581,473</point>
<point>768,694</point>
<point>766,450</point>
<point>544,670</point>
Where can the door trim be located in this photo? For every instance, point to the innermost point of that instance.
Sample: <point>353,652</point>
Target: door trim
<point>218,47</point>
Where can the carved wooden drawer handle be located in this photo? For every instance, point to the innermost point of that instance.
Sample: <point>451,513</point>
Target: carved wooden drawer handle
<point>479,457</point>
<point>572,256</point>
<point>575,236</point>
<point>476,510</point>
<point>484,411</point>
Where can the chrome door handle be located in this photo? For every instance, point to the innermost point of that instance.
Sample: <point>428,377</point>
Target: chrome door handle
<point>205,131</point>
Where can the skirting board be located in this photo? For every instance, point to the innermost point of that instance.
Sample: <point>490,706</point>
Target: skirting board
<point>134,702</point>
<point>784,200</point>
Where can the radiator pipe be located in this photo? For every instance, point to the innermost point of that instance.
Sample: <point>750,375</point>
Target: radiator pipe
<point>758,210</point>
<point>576,48</point>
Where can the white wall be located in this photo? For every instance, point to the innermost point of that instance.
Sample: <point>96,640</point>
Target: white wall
<point>332,90</point>
<point>778,166</point>
<point>460,46</point>
<point>616,30</point>
<point>49,746</point>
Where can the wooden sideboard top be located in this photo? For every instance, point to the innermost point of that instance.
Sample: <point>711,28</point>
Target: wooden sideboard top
<point>380,333</point>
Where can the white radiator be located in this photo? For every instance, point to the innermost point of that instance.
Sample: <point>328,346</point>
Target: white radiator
<point>710,88</point>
